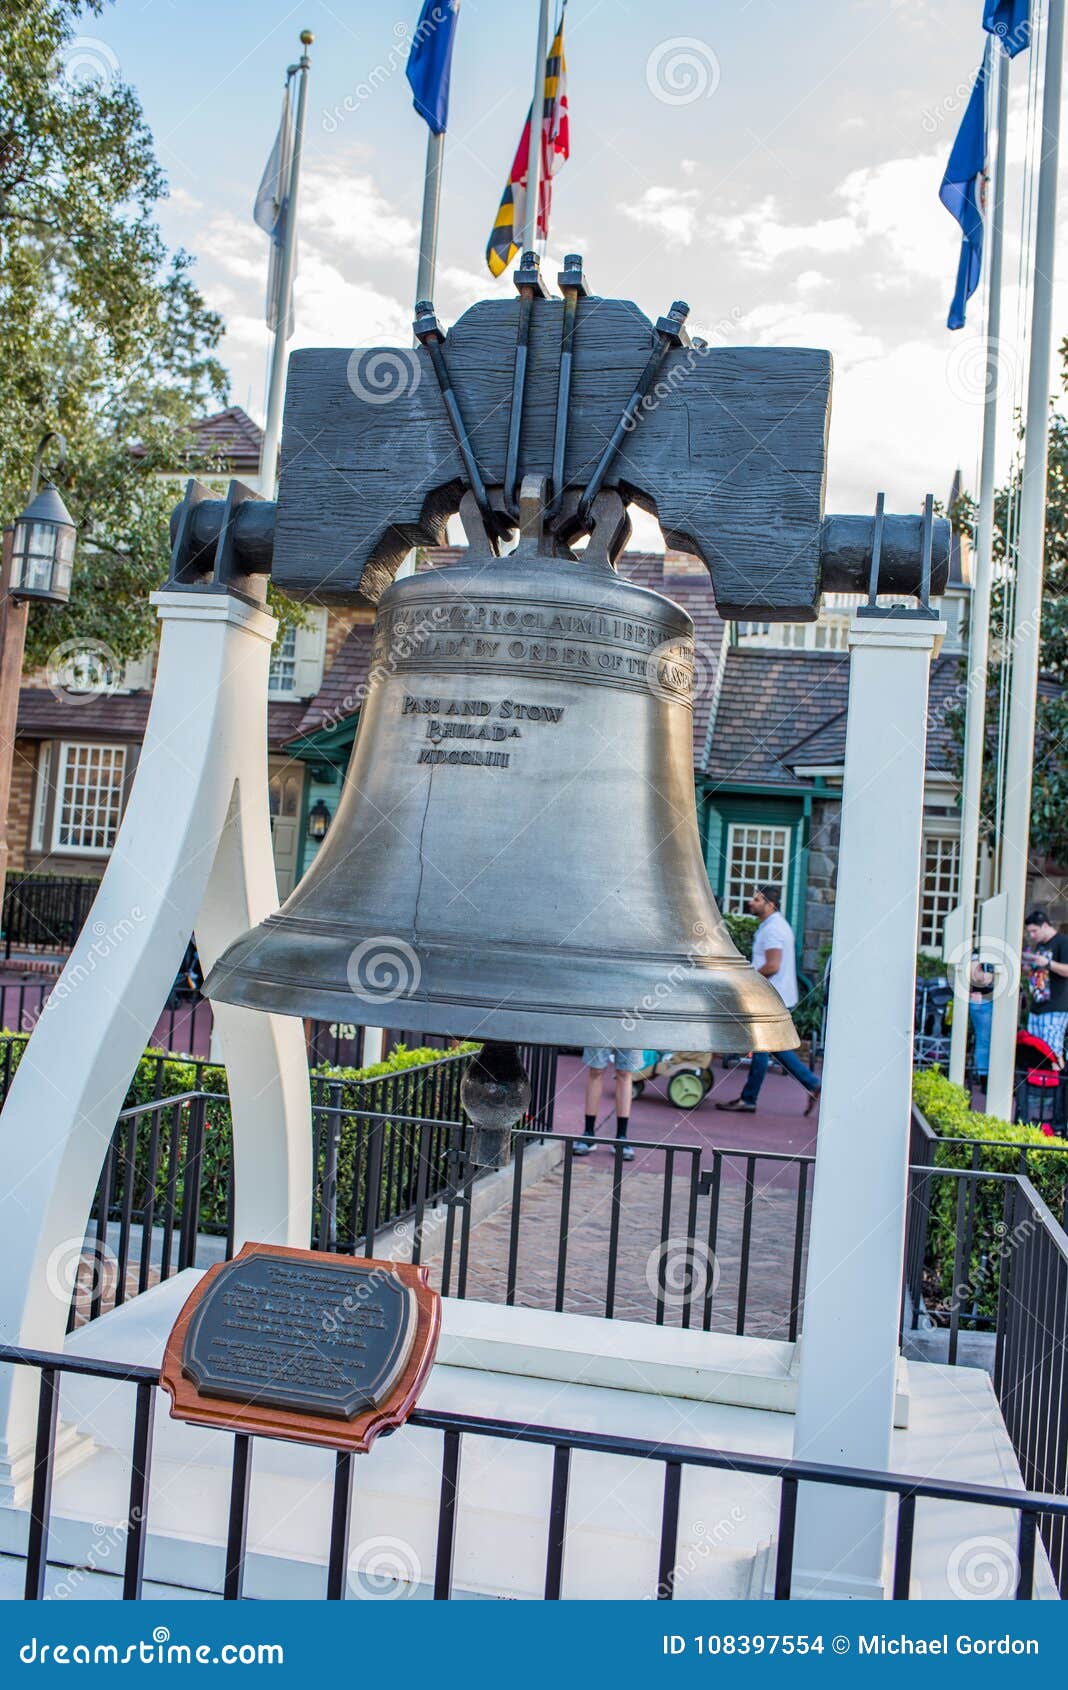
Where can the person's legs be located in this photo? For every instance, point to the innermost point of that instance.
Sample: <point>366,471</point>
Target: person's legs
<point>758,1067</point>
<point>745,1102</point>
<point>624,1095</point>
<point>596,1060</point>
<point>594,1088</point>
<point>627,1064</point>
<point>793,1065</point>
<point>981,1016</point>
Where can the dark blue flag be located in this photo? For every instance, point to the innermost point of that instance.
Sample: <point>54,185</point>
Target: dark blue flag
<point>960,194</point>
<point>1010,21</point>
<point>430,62</point>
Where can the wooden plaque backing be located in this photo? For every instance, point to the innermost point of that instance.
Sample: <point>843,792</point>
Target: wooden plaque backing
<point>267,1421</point>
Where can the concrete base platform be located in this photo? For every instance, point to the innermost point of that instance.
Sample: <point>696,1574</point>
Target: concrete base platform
<point>522,1365</point>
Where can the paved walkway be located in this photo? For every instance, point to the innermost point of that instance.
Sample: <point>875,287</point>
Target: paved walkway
<point>753,1229</point>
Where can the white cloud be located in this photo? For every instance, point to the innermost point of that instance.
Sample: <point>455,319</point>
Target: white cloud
<point>671,212</point>
<point>339,205</point>
<point>333,309</point>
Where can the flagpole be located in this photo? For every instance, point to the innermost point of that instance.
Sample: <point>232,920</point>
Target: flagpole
<point>428,234</point>
<point>424,280</point>
<point>1016,821</point>
<point>272,432</point>
<point>537,106</point>
<point>979,626</point>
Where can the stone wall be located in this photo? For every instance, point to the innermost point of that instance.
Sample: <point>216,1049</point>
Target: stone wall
<point>822,872</point>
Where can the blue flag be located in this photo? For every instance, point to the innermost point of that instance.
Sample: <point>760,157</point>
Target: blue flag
<point>960,194</point>
<point>430,62</point>
<point>1010,21</point>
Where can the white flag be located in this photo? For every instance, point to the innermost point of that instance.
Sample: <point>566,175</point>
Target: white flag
<point>270,212</point>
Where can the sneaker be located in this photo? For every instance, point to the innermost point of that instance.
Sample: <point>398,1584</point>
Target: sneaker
<point>738,1106</point>
<point>584,1145</point>
<point>813,1100</point>
<point>628,1152</point>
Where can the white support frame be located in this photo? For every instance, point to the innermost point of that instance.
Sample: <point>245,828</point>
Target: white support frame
<point>849,1346</point>
<point>193,854</point>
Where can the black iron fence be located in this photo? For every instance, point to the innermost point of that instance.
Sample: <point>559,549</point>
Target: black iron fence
<point>448,1431</point>
<point>1031,1370</point>
<point>183,1028</point>
<point>45,912</point>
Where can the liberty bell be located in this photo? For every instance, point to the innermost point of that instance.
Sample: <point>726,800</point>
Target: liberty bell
<point>515,856</point>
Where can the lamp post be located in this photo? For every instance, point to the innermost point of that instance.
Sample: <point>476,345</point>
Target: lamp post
<point>38,558</point>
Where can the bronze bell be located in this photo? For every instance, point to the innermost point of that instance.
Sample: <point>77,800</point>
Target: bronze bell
<point>516,856</point>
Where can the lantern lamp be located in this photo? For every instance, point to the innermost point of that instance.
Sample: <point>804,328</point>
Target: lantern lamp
<point>318,821</point>
<point>42,550</point>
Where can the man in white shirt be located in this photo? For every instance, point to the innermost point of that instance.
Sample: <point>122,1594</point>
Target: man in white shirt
<point>774,956</point>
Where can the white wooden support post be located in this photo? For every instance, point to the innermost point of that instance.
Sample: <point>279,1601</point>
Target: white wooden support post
<point>193,853</point>
<point>849,1342</point>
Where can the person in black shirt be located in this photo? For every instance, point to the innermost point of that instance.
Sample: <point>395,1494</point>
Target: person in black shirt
<point>1046,961</point>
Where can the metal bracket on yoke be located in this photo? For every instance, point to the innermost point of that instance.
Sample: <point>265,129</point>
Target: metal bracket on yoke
<point>923,606</point>
<point>528,281</point>
<point>574,286</point>
<point>670,332</point>
<point>428,333</point>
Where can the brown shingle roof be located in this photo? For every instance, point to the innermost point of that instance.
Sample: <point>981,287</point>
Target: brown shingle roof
<point>230,437</point>
<point>770,701</point>
<point>233,436</point>
<point>341,693</point>
<point>781,711</point>
<point>120,715</point>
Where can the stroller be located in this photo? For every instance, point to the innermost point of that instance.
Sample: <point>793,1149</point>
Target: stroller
<point>1037,1081</point>
<point>690,1074</point>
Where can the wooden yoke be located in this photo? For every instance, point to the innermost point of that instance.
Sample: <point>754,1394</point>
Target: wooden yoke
<point>725,446</point>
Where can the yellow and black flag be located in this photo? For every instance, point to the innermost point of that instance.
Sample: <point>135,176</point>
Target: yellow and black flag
<point>507,232</point>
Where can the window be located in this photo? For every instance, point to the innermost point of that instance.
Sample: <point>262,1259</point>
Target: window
<point>283,673</point>
<point>940,887</point>
<point>40,797</point>
<point>756,856</point>
<point>88,797</point>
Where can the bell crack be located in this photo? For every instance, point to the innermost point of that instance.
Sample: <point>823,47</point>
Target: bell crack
<point>419,882</point>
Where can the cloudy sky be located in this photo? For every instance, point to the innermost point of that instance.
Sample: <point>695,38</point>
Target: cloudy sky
<point>775,162</point>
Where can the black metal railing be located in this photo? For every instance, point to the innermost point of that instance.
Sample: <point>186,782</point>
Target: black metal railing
<point>1005,1256</point>
<point>1031,1369</point>
<point>45,912</point>
<point>674,1460</point>
<point>183,1028</point>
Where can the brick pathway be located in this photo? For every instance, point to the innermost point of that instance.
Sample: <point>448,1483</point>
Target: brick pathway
<point>643,1257</point>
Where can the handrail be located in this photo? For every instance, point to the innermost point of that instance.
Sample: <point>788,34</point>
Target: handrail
<point>605,1443</point>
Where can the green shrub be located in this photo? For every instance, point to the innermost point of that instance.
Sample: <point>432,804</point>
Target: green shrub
<point>741,929</point>
<point>417,1085</point>
<point>947,1109</point>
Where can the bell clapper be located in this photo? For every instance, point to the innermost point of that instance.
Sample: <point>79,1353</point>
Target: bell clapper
<point>495,1093</point>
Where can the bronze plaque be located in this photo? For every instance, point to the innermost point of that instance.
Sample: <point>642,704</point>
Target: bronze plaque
<point>329,1337</point>
<point>303,1344</point>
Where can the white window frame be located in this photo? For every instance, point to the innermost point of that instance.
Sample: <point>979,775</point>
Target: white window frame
<point>944,898</point>
<point>66,750</point>
<point>305,657</point>
<point>757,876</point>
<point>284,653</point>
<point>45,752</point>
